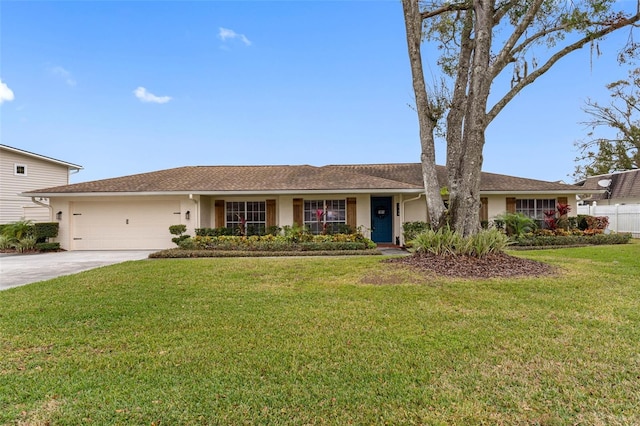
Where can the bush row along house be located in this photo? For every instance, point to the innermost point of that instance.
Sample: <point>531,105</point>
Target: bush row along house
<point>135,212</point>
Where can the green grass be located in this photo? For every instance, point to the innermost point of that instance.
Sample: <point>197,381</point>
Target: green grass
<point>313,341</point>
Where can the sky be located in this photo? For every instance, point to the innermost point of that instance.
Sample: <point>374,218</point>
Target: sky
<point>126,87</point>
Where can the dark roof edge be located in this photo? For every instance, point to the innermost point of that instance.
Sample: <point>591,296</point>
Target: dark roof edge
<point>42,157</point>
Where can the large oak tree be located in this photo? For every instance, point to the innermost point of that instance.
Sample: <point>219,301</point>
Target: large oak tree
<point>480,41</point>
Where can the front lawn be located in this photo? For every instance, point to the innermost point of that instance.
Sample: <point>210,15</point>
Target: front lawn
<point>325,341</point>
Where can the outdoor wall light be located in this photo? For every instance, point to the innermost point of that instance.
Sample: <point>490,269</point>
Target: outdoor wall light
<point>59,215</point>
<point>187,215</point>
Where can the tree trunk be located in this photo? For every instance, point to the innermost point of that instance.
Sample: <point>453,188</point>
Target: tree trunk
<point>468,25</point>
<point>426,119</point>
<point>464,152</point>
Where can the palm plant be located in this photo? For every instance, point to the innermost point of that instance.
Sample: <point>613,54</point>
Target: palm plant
<point>517,224</point>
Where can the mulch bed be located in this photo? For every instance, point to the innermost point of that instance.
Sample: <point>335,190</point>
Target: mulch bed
<point>499,265</point>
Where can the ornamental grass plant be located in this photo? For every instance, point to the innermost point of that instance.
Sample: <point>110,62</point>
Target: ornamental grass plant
<point>446,242</point>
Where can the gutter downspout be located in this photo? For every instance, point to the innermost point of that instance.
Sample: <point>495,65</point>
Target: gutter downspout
<point>40,203</point>
<point>403,210</point>
<point>197,213</point>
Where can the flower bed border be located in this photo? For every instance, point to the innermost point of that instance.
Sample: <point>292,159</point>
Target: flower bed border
<point>177,253</point>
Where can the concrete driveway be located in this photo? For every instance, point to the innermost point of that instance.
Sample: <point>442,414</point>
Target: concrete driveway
<point>17,270</point>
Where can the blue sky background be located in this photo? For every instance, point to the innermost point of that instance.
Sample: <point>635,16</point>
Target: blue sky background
<point>128,87</point>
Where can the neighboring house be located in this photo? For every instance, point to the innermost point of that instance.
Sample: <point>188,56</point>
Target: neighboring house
<point>135,212</point>
<point>22,171</point>
<point>615,188</point>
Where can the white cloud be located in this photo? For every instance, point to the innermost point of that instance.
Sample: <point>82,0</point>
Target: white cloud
<point>64,74</point>
<point>144,96</point>
<point>6,94</point>
<point>227,34</point>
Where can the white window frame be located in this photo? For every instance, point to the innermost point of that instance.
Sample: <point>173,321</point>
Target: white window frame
<point>254,217</point>
<point>334,211</point>
<point>16,166</point>
<point>539,206</point>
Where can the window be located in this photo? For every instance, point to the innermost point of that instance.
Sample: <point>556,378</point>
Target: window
<point>246,217</point>
<point>322,216</point>
<point>20,170</point>
<point>535,208</point>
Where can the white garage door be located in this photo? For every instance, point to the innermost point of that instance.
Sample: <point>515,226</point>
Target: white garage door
<point>123,225</point>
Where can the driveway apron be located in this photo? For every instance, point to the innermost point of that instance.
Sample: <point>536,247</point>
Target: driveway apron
<point>18,269</point>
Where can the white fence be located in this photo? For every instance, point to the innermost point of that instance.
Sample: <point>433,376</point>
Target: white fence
<point>622,218</point>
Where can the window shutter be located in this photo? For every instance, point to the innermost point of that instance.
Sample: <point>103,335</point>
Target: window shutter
<point>219,213</point>
<point>484,209</point>
<point>562,200</point>
<point>511,205</point>
<point>352,213</point>
<point>297,212</point>
<point>271,213</point>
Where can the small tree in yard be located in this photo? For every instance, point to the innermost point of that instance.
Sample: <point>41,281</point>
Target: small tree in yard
<point>178,230</point>
<point>481,40</point>
<point>600,155</point>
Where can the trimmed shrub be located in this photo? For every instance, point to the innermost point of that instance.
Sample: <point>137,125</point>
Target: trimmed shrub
<point>182,253</point>
<point>48,246</point>
<point>597,222</point>
<point>411,229</point>
<point>333,246</point>
<point>213,232</point>
<point>531,240</point>
<point>177,229</point>
<point>278,243</point>
<point>273,230</point>
<point>45,230</point>
<point>582,221</point>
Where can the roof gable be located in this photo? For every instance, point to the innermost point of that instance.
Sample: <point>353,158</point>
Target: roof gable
<point>41,157</point>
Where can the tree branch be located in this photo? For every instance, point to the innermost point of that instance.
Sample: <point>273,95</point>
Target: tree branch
<point>505,55</point>
<point>444,9</point>
<point>555,58</point>
<point>502,10</point>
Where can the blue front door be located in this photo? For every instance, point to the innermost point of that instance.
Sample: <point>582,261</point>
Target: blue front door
<point>381,220</point>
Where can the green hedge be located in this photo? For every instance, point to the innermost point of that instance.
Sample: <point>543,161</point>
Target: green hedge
<point>48,246</point>
<point>571,240</point>
<point>181,253</point>
<point>279,243</point>
<point>410,230</point>
<point>44,230</point>
<point>213,232</point>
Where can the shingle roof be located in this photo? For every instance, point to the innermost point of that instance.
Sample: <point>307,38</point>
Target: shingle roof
<point>623,185</point>
<point>405,177</point>
<point>236,178</point>
<point>489,182</point>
